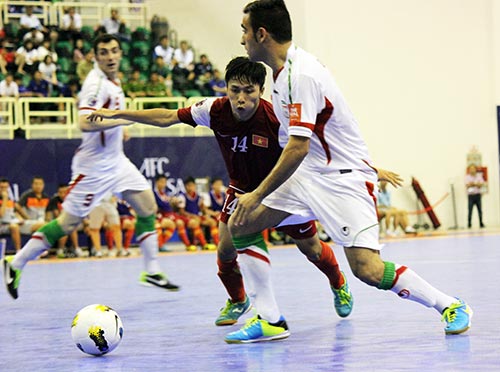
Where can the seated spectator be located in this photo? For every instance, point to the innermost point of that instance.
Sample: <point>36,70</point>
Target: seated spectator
<point>72,23</point>
<point>135,86</point>
<point>166,220</point>
<point>180,82</point>
<point>23,89</point>
<point>164,50</point>
<point>7,57</point>
<point>184,56</point>
<point>385,210</point>
<point>217,85</point>
<point>38,88</point>
<point>217,195</point>
<point>32,205</point>
<point>27,58</point>
<point>127,223</point>
<point>9,219</point>
<point>52,212</point>
<point>155,87</point>
<point>48,69</point>
<point>85,66</point>
<point>114,25</point>
<point>29,21</point>
<point>35,36</point>
<point>164,71</point>
<point>202,75</point>
<point>46,49</point>
<point>78,53</point>
<point>8,87</point>
<point>191,206</point>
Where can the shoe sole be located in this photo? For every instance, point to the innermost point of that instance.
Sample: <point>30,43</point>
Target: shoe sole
<point>146,284</point>
<point>281,336</point>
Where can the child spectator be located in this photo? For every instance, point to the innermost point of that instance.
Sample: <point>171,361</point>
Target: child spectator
<point>9,219</point>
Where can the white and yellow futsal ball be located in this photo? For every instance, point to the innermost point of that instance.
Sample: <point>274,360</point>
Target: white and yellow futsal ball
<point>97,329</point>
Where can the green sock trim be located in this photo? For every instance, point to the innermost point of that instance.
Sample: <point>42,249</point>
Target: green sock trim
<point>246,241</point>
<point>52,231</point>
<point>144,224</point>
<point>388,278</point>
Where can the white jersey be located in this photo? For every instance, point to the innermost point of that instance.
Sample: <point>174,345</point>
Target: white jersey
<point>319,111</point>
<point>99,150</point>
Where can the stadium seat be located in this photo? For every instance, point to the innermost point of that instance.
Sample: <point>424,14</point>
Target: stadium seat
<point>87,33</point>
<point>125,65</point>
<point>63,77</point>
<point>139,48</point>
<point>64,49</point>
<point>141,34</point>
<point>141,63</point>
<point>125,48</point>
<point>65,65</point>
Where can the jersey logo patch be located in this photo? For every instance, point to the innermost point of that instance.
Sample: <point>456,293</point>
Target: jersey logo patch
<point>260,141</point>
<point>92,101</point>
<point>295,113</point>
<point>200,103</point>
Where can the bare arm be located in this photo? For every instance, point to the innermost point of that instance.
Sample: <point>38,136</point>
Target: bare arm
<point>87,125</point>
<point>155,117</point>
<point>292,156</point>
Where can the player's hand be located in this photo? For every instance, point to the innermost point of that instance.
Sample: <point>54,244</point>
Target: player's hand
<point>101,114</point>
<point>393,178</point>
<point>247,203</point>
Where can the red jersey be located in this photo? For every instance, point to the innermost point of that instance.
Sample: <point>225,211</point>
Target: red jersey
<point>250,148</point>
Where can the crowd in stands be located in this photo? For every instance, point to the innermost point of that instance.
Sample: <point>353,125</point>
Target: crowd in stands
<point>38,60</point>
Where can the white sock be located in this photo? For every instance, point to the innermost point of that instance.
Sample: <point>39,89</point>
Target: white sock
<point>257,275</point>
<point>148,242</point>
<point>410,286</point>
<point>31,250</point>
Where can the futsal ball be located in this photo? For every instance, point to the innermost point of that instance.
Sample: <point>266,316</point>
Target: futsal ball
<point>97,329</point>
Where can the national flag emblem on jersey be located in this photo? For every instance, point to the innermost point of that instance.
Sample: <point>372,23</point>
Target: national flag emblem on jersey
<point>260,141</point>
<point>295,113</point>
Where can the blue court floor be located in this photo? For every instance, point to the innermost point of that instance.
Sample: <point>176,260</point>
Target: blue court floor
<point>165,331</point>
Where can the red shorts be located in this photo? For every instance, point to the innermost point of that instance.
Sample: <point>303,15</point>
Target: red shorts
<point>300,231</point>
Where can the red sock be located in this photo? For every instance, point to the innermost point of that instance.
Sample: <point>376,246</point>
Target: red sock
<point>183,236</point>
<point>198,234</point>
<point>329,266</point>
<point>265,235</point>
<point>214,233</point>
<point>161,240</point>
<point>109,239</point>
<point>129,234</point>
<point>230,276</point>
<point>167,234</point>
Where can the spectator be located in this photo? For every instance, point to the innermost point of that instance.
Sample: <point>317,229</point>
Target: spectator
<point>85,66</point>
<point>35,36</point>
<point>202,75</point>
<point>52,212</point>
<point>8,87</point>
<point>203,67</point>
<point>127,222</point>
<point>164,71</point>
<point>7,56</point>
<point>27,58</point>
<point>156,86</point>
<point>38,86</point>
<point>114,25</point>
<point>23,89</point>
<point>192,208</point>
<point>164,50</point>
<point>474,182</point>
<point>46,49</point>
<point>32,205</point>
<point>78,53</point>
<point>72,23</point>
<point>217,196</point>
<point>385,210</point>
<point>48,69</point>
<point>184,56</point>
<point>29,21</point>
<point>9,219</point>
<point>217,85</point>
<point>135,86</point>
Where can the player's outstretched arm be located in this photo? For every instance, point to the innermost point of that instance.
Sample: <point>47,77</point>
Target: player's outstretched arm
<point>155,117</point>
<point>87,125</point>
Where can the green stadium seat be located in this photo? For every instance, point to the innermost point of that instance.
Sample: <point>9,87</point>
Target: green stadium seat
<point>125,65</point>
<point>140,48</point>
<point>87,33</point>
<point>64,49</point>
<point>65,65</point>
<point>63,77</point>
<point>125,48</point>
<point>141,63</point>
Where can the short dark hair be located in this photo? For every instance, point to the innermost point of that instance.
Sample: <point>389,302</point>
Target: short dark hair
<point>215,179</point>
<point>4,179</point>
<point>244,70</point>
<point>160,176</point>
<point>105,38</point>
<point>271,15</point>
<point>189,180</point>
<point>37,178</point>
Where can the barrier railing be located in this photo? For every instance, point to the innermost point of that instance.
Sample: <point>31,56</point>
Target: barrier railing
<point>57,117</point>
<point>92,13</point>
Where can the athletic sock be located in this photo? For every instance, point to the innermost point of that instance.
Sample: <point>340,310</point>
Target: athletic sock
<point>109,239</point>
<point>409,285</point>
<point>214,233</point>
<point>230,276</point>
<point>328,265</point>
<point>256,269</point>
<point>183,236</point>
<point>198,234</point>
<point>148,242</point>
<point>129,234</point>
<point>40,241</point>
<point>167,234</point>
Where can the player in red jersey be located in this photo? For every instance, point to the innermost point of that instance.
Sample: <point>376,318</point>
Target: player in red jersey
<point>247,132</point>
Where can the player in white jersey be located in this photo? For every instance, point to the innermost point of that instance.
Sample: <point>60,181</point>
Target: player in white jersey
<point>324,171</point>
<point>99,167</point>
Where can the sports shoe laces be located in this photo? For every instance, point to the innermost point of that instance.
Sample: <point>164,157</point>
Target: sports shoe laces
<point>250,322</point>
<point>450,313</point>
<point>343,295</point>
<point>225,310</point>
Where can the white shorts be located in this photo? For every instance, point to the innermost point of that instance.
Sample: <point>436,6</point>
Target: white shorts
<point>87,190</point>
<point>344,204</point>
<point>103,212</point>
